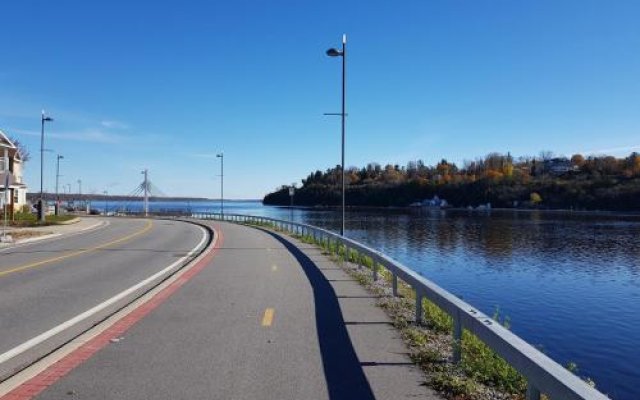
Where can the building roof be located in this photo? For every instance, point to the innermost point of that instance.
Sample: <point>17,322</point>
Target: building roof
<point>5,141</point>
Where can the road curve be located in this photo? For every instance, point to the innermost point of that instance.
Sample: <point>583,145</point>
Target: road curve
<point>44,284</point>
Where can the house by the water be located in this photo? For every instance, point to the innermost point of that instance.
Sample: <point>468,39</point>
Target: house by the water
<point>14,195</point>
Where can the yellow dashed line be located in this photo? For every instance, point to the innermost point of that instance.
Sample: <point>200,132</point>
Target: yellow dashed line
<point>147,227</point>
<point>267,320</point>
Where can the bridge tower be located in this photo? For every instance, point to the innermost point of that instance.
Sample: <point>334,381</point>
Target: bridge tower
<point>145,185</point>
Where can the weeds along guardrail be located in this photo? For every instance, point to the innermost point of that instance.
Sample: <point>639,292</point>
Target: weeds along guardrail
<point>544,376</point>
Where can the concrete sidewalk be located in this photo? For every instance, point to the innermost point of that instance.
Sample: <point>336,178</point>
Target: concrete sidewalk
<point>267,318</point>
<point>50,231</point>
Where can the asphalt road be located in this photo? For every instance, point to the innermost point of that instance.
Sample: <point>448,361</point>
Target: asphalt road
<point>44,284</point>
<point>267,318</point>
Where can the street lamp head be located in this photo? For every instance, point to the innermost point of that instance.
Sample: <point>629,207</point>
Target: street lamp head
<point>220,155</point>
<point>47,119</point>
<point>334,52</point>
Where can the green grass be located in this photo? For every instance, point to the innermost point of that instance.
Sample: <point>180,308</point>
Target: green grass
<point>28,219</point>
<point>484,365</point>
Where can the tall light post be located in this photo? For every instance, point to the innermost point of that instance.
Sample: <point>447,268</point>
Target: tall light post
<point>292,191</point>
<point>41,208</point>
<point>221,157</point>
<point>332,52</point>
<point>106,202</point>
<point>58,158</point>
<point>79,191</point>
<point>4,202</point>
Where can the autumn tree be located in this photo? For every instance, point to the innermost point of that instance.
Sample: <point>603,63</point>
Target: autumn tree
<point>577,160</point>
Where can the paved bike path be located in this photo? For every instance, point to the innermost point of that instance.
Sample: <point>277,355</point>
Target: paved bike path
<point>268,318</point>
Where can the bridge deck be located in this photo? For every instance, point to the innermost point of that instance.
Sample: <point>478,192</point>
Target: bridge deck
<point>267,318</point>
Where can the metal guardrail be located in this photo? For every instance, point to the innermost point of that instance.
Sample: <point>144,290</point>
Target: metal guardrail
<point>544,376</point>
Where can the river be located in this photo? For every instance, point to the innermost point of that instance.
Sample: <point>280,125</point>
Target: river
<point>568,282</point>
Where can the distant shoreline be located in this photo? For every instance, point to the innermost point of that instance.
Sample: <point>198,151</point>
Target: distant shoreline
<point>100,197</point>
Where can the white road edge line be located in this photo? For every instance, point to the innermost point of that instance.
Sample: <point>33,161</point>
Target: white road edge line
<point>26,242</point>
<point>4,357</point>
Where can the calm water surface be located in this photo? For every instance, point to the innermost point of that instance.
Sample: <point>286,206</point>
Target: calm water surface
<point>570,283</point>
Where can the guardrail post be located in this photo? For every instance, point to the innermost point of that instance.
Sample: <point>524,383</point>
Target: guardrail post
<point>457,337</point>
<point>418,307</point>
<point>394,285</point>
<point>532,392</point>
<point>375,271</point>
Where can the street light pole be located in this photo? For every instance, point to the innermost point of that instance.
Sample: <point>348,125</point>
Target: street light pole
<point>292,190</point>
<point>106,203</point>
<point>79,191</point>
<point>41,208</point>
<point>337,53</point>
<point>58,158</point>
<point>221,157</point>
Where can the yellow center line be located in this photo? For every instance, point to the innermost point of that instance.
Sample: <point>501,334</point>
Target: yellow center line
<point>267,320</point>
<point>147,227</point>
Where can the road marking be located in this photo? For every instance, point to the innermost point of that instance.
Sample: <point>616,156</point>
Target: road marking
<point>267,320</point>
<point>78,318</point>
<point>274,268</point>
<point>147,227</point>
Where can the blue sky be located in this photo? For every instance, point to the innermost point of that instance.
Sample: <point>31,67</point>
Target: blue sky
<point>165,85</point>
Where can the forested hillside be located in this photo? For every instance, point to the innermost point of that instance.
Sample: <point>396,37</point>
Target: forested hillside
<point>602,183</point>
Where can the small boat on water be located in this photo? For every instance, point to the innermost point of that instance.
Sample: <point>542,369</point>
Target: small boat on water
<point>435,202</point>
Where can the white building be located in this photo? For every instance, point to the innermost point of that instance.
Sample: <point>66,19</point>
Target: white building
<point>11,172</point>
